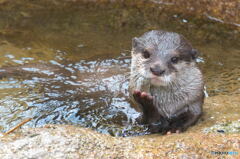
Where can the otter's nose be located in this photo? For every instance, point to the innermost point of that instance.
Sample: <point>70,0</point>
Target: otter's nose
<point>157,71</point>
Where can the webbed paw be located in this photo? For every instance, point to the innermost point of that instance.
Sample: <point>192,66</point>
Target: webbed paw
<point>143,98</point>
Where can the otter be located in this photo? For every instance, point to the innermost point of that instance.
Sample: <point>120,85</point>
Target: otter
<point>165,81</point>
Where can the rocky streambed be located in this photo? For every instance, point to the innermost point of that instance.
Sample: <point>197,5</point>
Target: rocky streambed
<point>65,141</point>
<point>78,38</point>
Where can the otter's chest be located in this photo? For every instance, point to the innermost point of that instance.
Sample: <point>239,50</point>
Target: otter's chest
<point>168,95</point>
<point>169,101</point>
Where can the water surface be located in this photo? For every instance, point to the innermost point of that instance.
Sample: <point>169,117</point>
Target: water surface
<point>73,64</point>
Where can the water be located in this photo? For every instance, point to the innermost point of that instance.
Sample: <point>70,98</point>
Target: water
<point>73,64</point>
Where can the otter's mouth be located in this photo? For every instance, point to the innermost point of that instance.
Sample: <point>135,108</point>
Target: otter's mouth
<point>161,80</point>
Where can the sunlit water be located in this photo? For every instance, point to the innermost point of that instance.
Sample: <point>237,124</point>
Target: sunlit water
<point>72,68</point>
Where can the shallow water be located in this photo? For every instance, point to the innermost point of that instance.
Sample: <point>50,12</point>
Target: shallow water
<point>76,65</point>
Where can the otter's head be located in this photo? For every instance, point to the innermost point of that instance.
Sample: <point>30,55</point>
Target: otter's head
<point>162,56</point>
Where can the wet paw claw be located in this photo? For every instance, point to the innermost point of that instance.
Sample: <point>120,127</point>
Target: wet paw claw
<point>142,97</point>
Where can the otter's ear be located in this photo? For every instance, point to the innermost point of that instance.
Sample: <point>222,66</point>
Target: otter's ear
<point>194,53</point>
<point>135,42</point>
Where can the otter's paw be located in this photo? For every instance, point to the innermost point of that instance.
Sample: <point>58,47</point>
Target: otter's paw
<point>173,131</point>
<point>143,98</point>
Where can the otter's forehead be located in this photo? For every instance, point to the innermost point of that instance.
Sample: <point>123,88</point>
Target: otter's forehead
<point>163,44</point>
<point>162,40</point>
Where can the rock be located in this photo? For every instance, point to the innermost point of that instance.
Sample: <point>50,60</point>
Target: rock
<point>65,141</point>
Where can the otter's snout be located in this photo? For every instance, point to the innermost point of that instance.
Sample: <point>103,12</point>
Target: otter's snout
<point>156,70</point>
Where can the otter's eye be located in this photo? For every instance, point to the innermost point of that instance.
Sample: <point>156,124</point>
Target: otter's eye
<point>146,54</point>
<point>174,59</point>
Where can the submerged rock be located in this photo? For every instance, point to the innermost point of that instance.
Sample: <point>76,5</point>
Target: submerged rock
<point>226,127</point>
